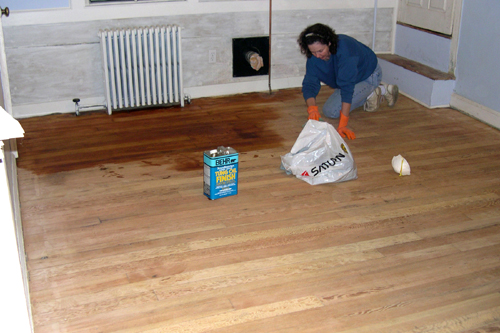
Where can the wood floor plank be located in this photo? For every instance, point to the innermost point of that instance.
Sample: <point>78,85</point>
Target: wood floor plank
<point>148,314</point>
<point>236,317</point>
<point>487,312</point>
<point>120,238</point>
<point>384,305</point>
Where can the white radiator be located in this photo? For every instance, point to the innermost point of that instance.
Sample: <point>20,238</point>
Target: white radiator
<point>142,67</point>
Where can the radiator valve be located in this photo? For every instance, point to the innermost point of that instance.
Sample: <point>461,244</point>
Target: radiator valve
<point>78,107</point>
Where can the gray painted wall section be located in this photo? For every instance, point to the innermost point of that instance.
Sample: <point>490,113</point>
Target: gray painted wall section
<point>477,71</point>
<point>425,48</point>
<point>57,62</point>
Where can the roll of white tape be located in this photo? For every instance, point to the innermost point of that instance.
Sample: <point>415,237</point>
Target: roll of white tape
<point>400,165</point>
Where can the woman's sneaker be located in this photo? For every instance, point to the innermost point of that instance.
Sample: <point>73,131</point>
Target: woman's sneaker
<point>391,94</point>
<point>373,101</point>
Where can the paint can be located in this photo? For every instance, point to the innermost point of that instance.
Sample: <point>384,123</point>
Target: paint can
<point>220,172</point>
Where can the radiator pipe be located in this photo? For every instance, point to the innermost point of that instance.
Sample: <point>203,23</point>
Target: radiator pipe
<point>270,33</point>
<point>374,24</point>
<point>79,107</point>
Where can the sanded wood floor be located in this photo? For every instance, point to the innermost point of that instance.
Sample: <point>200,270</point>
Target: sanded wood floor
<point>120,238</point>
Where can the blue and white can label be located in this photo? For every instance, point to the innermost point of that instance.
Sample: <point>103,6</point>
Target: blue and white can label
<point>220,173</point>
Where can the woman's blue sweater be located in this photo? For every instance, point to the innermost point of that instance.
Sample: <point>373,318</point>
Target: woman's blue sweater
<point>354,62</point>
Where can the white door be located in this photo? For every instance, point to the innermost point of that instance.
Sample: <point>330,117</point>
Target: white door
<point>434,15</point>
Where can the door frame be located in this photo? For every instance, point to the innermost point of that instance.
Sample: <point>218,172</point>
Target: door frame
<point>17,305</point>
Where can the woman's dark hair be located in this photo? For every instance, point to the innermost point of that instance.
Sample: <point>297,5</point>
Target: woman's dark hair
<point>317,33</point>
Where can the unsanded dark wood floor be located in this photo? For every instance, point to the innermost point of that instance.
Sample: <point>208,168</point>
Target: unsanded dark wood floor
<point>120,237</point>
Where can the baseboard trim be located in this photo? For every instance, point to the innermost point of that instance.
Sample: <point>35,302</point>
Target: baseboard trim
<point>68,106</point>
<point>422,103</point>
<point>476,110</point>
<point>243,87</point>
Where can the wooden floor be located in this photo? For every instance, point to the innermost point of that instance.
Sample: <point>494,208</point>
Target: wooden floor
<point>120,238</point>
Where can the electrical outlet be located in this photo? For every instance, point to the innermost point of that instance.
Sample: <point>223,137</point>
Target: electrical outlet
<point>212,56</point>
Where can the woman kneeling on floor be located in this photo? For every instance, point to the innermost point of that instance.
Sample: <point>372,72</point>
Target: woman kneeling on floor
<point>348,66</point>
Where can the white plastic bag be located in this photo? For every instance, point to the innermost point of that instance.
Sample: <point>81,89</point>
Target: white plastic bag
<point>320,156</point>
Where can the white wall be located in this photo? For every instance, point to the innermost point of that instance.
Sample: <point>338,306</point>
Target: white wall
<point>428,49</point>
<point>54,54</point>
<point>478,72</point>
<point>34,4</point>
